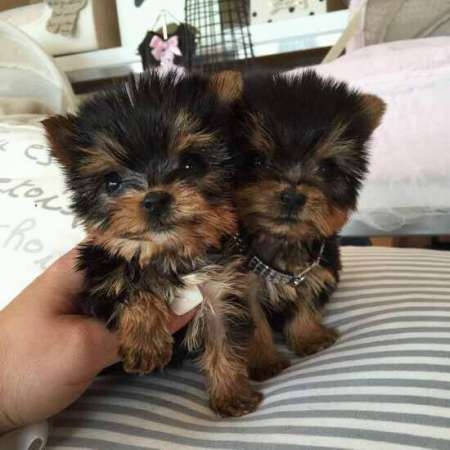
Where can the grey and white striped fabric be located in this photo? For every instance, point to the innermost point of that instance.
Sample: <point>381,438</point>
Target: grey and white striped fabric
<point>384,385</point>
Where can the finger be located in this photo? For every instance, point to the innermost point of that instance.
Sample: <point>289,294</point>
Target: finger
<point>105,345</point>
<point>178,322</point>
<point>58,287</point>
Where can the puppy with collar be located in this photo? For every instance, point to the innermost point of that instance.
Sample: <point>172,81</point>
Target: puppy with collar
<point>302,145</point>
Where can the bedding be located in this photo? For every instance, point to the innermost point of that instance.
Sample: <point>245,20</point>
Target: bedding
<point>385,385</point>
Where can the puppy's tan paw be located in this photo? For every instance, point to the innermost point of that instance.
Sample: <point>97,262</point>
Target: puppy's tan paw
<point>145,344</point>
<point>237,404</point>
<point>316,342</point>
<point>268,370</point>
<point>147,356</point>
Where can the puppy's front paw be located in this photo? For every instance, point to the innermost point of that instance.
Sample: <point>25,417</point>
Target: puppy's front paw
<point>236,404</point>
<point>268,370</point>
<point>316,342</point>
<point>145,343</point>
<point>146,355</point>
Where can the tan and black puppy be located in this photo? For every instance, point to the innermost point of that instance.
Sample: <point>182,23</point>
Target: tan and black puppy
<point>149,167</point>
<point>303,154</point>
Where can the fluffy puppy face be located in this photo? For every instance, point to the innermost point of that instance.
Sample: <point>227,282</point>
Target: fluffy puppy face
<point>302,154</point>
<point>148,165</point>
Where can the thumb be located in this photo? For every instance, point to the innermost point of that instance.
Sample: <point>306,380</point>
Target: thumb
<point>96,347</point>
<point>105,345</point>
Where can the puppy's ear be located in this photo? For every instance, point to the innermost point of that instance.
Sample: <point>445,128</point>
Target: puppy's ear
<point>60,132</point>
<point>227,85</point>
<point>374,108</point>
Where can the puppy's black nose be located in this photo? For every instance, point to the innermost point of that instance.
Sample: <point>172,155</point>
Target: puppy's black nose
<point>292,200</point>
<point>157,202</point>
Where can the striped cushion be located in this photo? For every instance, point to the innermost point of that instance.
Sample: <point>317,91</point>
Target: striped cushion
<point>384,385</point>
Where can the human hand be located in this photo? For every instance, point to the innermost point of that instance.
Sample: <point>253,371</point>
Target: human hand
<point>49,353</point>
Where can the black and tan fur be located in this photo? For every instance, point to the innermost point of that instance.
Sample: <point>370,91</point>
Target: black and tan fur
<point>149,168</point>
<point>302,147</point>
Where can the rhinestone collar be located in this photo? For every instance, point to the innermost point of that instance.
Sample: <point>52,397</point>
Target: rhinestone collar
<point>256,265</point>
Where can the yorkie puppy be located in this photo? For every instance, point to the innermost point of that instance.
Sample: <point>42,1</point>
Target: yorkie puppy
<point>149,168</point>
<point>303,155</point>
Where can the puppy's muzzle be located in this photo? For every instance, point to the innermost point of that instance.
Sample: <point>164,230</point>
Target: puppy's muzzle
<point>292,202</point>
<point>157,203</point>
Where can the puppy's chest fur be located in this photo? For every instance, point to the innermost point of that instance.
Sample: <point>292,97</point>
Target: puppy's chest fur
<point>317,285</point>
<point>114,275</point>
<point>111,279</point>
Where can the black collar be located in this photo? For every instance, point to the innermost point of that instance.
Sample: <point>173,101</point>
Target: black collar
<point>256,265</point>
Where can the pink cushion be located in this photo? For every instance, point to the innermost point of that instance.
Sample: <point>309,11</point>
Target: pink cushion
<point>410,162</point>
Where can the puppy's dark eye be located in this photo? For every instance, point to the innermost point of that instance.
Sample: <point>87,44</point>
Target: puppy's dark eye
<point>113,182</point>
<point>193,164</point>
<point>259,161</point>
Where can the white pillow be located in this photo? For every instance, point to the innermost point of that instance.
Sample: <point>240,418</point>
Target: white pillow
<point>36,225</point>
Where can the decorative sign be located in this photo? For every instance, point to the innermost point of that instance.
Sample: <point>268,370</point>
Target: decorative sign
<point>279,5</point>
<point>263,11</point>
<point>64,16</point>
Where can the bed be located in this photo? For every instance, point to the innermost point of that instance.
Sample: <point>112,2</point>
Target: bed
<point>384,385</point>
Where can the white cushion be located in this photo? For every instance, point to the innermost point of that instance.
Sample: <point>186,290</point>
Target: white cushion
<point>36,225</point>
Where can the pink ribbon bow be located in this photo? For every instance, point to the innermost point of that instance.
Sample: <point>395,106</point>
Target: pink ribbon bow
<point>165,51</point>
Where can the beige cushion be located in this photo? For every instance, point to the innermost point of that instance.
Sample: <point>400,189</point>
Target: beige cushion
<point>393,20</point>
